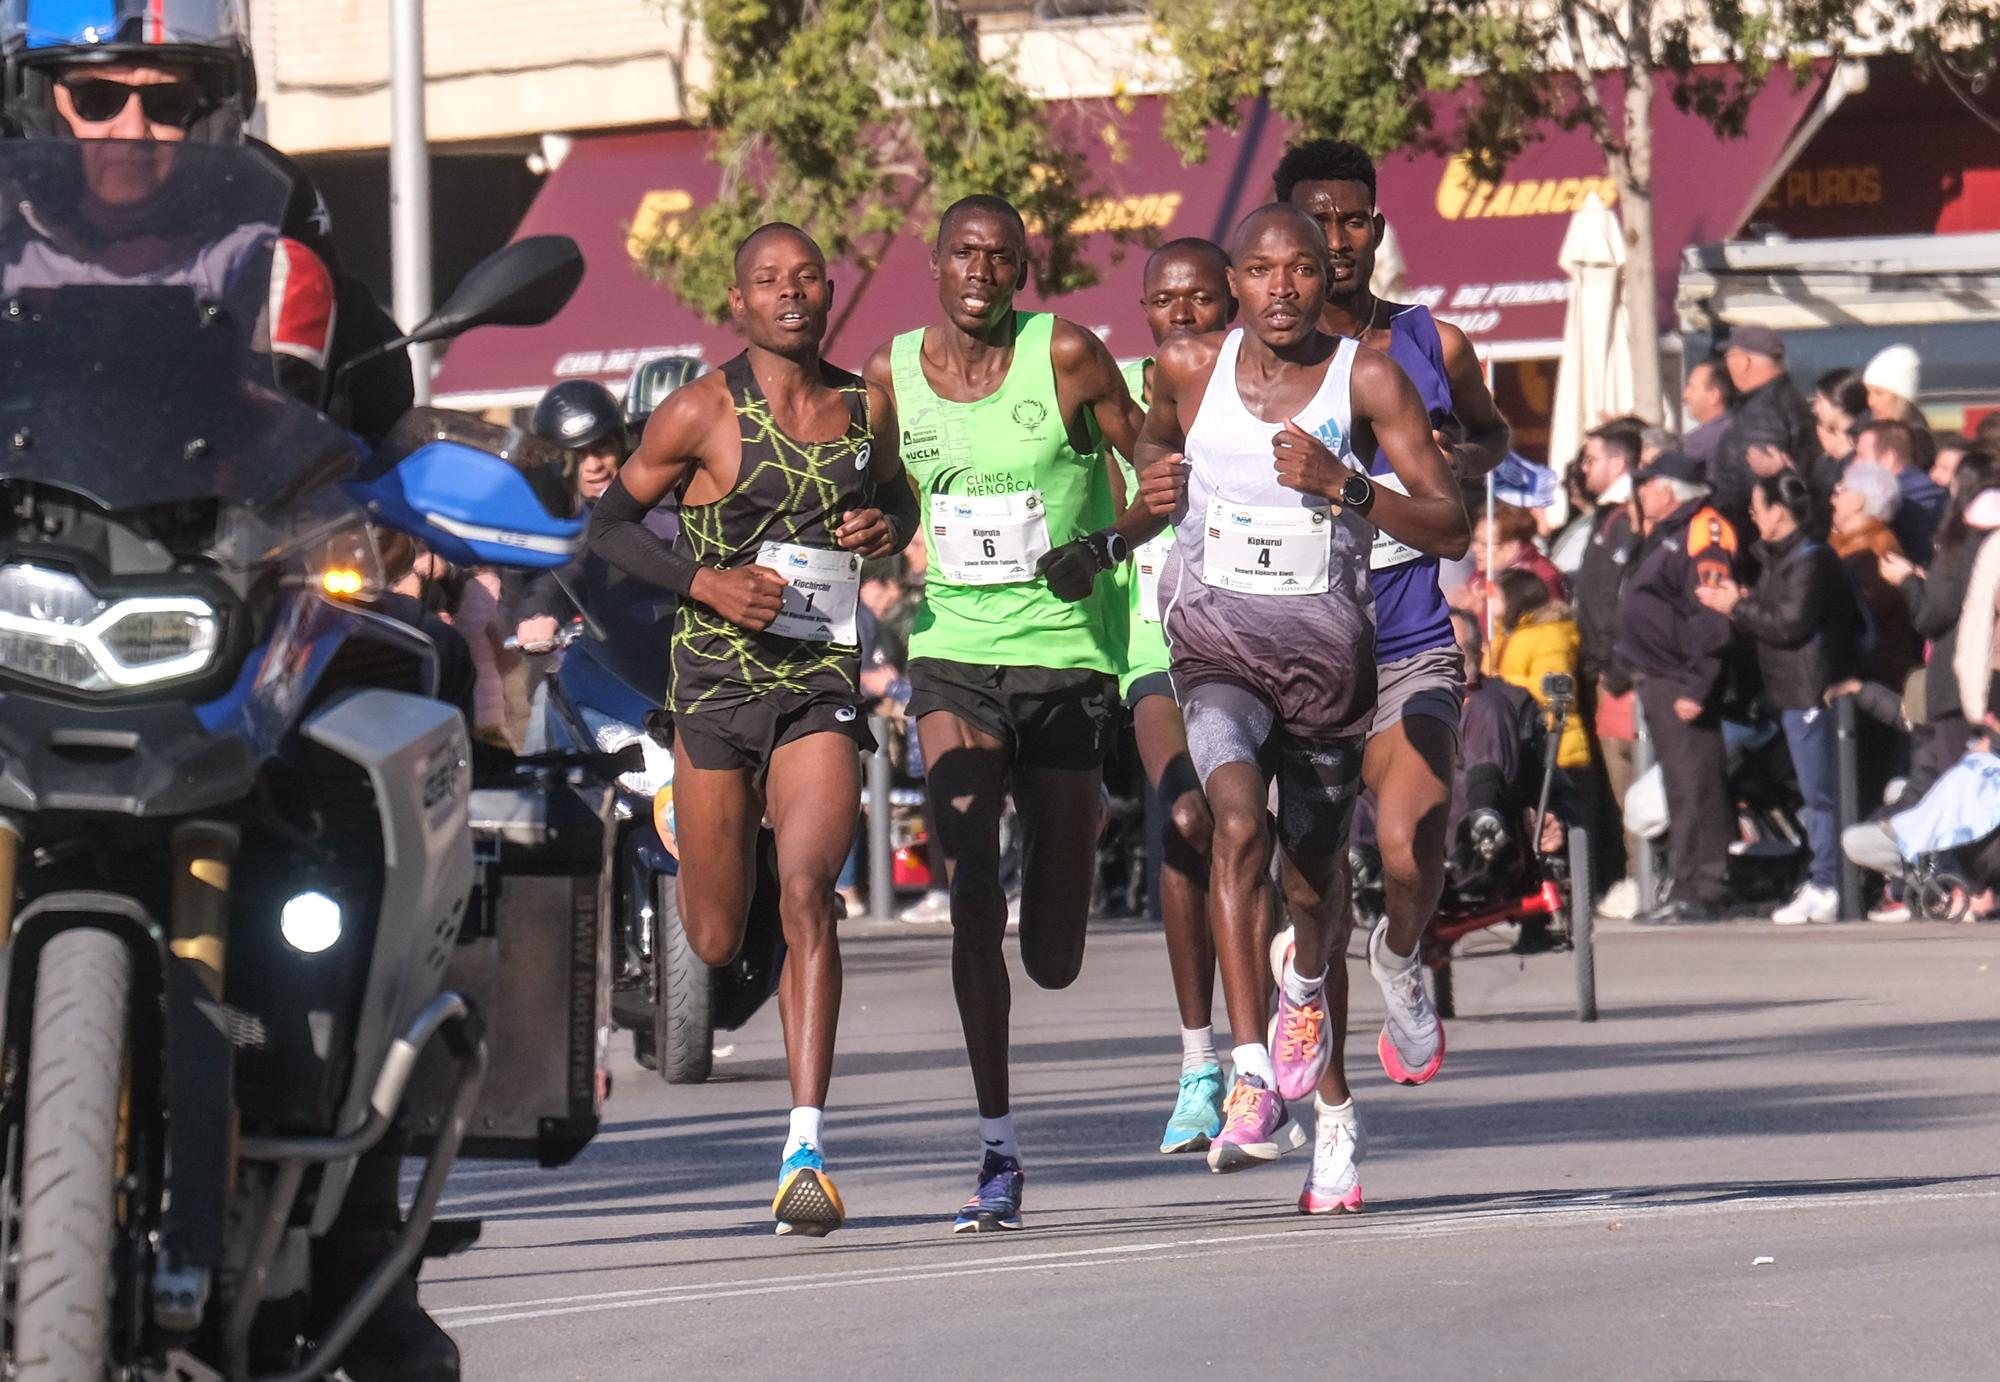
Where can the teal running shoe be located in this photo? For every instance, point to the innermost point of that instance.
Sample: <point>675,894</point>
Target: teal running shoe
<point>1197,1112</point>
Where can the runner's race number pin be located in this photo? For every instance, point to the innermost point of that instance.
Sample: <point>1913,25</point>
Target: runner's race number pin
<point>823,589</point>
<point>1261,550</point>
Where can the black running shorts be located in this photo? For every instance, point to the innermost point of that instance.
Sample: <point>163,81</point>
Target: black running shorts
<point>1046,718</point>
<point>745,735</point>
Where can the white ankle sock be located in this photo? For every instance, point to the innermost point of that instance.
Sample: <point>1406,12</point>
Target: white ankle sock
<point>1255,1060</point>
<point>1299,989</point>
<point>1339,1113</point>
<point>805,1128</point>
<point>1197,1049</point>
<point>997,1135</point>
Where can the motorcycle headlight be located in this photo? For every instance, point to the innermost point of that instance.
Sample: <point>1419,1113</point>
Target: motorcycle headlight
<point>612,735</point>
<point>55,629</point>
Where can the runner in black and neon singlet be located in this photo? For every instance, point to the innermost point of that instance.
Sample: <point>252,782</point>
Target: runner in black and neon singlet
<point>788,499</point>
<point>784,488</point>
<point>1018,642</point>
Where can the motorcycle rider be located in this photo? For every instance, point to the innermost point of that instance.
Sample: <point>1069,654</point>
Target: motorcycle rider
<point>133,70</point>
<point>581,416</point>
<point>173,71</point>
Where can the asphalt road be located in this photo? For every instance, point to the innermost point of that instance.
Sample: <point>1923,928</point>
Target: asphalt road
<point>1774,1157</point>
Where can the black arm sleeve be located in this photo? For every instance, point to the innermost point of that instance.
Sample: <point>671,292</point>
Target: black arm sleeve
<point>618,533</point>
<point>898,502</point>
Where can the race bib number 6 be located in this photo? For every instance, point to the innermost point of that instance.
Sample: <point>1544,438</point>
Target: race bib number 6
<point>1257,550</point>
<point>989,539</point>
<point>824,589</point>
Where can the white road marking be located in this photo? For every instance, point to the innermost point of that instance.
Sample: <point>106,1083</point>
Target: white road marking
<point>1587,1208</point>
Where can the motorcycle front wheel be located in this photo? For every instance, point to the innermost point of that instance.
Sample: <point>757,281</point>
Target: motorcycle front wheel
<point>69,1167</point>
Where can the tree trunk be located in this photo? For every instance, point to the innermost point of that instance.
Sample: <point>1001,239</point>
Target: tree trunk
<point>1635,198</point>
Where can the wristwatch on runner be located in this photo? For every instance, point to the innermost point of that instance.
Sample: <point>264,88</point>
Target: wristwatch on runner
<point>1357,492</point>
<point>1109,547</point>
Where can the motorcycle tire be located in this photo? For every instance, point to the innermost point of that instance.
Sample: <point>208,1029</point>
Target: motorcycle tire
<point>684,994</point>
<point>69,1168</point>
<point>1582,918</point>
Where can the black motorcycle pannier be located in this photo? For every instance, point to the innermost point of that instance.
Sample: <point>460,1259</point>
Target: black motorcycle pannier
<point>535,957</point>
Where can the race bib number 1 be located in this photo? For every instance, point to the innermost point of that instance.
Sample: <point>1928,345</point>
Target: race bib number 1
<point>825,587</point>
<point>1267,551</point>
<point>989,539</point>
<point>1149,558</point>
<point>1387,551</point>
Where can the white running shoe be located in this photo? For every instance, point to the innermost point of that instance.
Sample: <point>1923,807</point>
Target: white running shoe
<point>1621,901</point>
<point>1333,1182</point>
<point>933,908</point>
<point>1412,1042</point>
<point>1281,954</point>
<point>1812,904</point>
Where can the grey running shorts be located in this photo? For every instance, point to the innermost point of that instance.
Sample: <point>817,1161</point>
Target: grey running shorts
<point>1430,683</point>
<point>1316,780</point>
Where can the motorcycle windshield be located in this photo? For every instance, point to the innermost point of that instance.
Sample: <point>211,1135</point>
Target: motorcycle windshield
<point>135,304</point>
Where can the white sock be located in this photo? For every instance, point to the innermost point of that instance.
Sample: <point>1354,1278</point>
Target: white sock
<point>1197,1049</point>
<point>1387,960</point>
<point>1255,1060</point>
<point>1340,1113</point>
<point>1302,990</point>
<point>805,1129</point>
<point>997,1134</point>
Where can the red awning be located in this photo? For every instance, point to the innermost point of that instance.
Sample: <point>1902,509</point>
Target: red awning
<point>1484,256</point>
<point>613,188</point>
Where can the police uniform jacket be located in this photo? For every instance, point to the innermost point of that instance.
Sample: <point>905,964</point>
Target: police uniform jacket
<point>1664,633</point>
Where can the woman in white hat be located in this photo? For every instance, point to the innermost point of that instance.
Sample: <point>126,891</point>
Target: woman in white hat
<point>1892,380</point>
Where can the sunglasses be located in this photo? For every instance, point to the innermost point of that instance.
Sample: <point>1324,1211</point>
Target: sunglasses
<point>175,104</point>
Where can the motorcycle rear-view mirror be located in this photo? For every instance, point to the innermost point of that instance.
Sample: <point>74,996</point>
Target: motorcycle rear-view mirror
<point>524,284</point>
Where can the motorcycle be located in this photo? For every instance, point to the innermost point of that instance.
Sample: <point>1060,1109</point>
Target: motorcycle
<point>606,695</point>
<point>235,854</point>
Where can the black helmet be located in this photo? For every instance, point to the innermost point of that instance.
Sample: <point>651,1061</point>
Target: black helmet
<point>653,381</point>
<point>578,414</point>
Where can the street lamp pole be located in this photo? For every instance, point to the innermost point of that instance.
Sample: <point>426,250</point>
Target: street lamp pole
<point>410,180</point>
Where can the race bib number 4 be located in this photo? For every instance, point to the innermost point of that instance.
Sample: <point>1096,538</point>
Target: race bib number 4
<point>1149,558</point>
<point>1267,551</point>
<point>823,591</point>
<point>1387,551</point>
<point>989,539</point>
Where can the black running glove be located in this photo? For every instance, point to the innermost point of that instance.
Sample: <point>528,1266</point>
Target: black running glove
<point>1071,569</point>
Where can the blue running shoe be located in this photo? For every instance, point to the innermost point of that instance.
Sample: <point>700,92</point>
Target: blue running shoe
<point>1197,1112</point>
<point>806,1202</point>
<point>997,1201</point>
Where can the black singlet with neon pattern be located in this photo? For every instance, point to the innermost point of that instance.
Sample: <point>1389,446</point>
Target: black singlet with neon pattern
<point>786,491</point>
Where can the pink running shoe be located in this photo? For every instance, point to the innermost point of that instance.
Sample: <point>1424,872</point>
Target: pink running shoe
<point>1255,1128</point>
<point>1300,1050</point>
<point>1412,1042</point>
<point>1333,1184</point>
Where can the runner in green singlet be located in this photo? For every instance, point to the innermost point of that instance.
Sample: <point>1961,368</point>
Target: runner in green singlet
<point>1016,650</point>
<point>1185,290</point>
<point>788,475</point>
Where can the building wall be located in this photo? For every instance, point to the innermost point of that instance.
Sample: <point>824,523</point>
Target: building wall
<point>508,71</point>
<point>498,70</point>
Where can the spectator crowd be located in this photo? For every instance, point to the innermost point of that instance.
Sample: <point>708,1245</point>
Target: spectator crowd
<point>1723,592</point>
